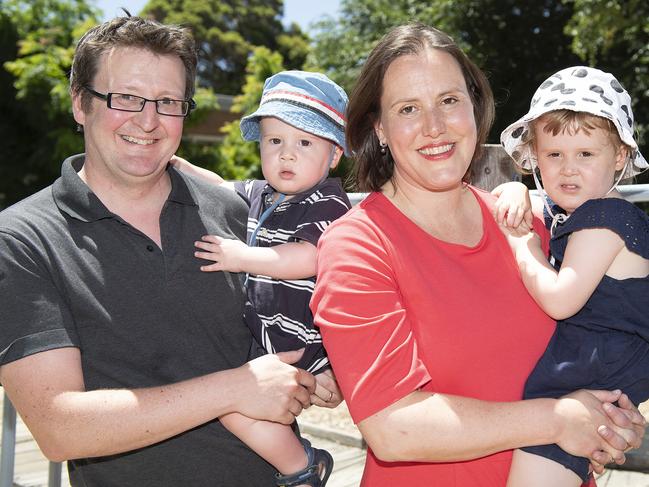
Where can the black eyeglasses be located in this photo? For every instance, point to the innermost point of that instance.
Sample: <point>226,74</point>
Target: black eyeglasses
<point>133,103</point>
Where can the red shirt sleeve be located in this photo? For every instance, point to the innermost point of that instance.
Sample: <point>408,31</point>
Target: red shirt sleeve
<point>364,325</point>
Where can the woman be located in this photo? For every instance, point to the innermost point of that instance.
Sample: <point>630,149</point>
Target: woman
<point>429,329</point>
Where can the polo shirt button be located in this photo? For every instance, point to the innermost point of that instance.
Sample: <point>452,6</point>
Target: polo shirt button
<point>150,248</point>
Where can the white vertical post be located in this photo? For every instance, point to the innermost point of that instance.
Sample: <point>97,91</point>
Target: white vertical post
<point>8,452</point>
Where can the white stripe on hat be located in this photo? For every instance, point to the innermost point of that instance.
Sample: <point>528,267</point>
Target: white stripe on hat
<point>309,101</point>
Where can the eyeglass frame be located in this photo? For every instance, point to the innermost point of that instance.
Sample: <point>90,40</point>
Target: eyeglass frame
<point>191,104</point>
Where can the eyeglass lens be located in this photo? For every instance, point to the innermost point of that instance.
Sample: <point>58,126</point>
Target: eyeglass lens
<point>132,103</point>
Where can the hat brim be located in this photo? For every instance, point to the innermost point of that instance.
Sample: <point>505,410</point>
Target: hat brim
<point>296,116</point>
<point>512,140</point>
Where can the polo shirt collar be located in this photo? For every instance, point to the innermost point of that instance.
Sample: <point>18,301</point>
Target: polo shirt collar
<point>74,197</point>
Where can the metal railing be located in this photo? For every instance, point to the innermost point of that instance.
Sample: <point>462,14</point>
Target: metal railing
<point>8,452</point>
<point>633,192</point>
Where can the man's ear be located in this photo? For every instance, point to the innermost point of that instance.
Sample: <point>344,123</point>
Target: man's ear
<point>77,111</point>
<point>338,153</point>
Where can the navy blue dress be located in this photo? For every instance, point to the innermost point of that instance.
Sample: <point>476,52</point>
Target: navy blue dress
<point>606,344</point>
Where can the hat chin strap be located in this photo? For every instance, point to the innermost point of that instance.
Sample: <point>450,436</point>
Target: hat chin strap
<point>619,178</point>
<point>282,196</point>
<point>562,217</point>
<point>332,153</point>
<point>559,217</point>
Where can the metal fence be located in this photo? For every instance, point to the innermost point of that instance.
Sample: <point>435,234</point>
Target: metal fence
<point>634,192</point>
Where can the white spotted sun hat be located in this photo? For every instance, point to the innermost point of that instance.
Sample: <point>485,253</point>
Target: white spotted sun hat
<point>580,89</point>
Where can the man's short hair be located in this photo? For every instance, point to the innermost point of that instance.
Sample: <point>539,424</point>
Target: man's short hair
<point>130,32</point>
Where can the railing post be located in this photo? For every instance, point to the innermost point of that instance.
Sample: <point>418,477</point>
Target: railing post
<point>54,477</point>
<point>8,453</point>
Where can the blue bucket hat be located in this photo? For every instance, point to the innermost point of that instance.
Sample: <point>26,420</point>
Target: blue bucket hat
<point>308,101</point>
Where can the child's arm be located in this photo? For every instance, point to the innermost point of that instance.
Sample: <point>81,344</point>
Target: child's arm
<point>588,256</point>
<point>187,167</point>
<point>513,209</point>
<point>292,260</point>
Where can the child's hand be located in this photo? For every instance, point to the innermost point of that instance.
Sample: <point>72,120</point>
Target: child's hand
<point>187,167</point>
<point>179,163</point>
<point>513,207</point>
<point>327,394</point>
<point>227,254</point>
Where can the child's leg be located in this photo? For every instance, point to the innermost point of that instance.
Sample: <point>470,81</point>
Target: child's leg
<point>274,442</point>
<point>529,470</point>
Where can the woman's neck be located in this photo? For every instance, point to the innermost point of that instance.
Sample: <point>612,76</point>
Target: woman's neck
<point>453,215</point>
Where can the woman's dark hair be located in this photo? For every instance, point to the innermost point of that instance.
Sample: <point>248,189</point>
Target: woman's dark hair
<point>372,169</point>
<point>129,31</point>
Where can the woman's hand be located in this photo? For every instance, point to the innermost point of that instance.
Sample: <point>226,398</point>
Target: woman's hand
<point>626,432</point>
<point>327,394</point>
<point>596,429</point>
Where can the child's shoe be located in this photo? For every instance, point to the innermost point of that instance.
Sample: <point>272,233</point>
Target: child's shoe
<point>316,473</point>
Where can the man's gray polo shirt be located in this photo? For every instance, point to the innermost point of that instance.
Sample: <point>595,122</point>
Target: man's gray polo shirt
<point>73,274</point>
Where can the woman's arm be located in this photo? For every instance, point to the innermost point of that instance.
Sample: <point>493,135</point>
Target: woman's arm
<point>438,427</point>
<point>375,352</point>
<point>588,256</point>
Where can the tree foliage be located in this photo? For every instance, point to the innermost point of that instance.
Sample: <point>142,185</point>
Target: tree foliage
<point>243,155</point>
<point>614,36</point>
<point>36,47</point>
<point>235,158</point>
<point>227,31</point>
<point>516,42</point>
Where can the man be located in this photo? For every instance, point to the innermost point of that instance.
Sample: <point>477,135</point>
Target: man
<point>115,349</point>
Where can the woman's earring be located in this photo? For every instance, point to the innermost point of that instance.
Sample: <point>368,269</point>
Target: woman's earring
<point>384,148</point>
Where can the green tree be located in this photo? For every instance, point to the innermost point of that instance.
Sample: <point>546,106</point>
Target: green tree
<point>614,36</point>
<point>518,43</point>
<point>241,158</point>
<point>36,47</point>
<point>227,31</point>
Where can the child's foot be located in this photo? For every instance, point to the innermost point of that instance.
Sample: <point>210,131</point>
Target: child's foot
<point>315,474</point>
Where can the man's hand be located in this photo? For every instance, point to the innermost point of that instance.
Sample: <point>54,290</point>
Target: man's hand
<point>598,430</point>
<point>270,389</point>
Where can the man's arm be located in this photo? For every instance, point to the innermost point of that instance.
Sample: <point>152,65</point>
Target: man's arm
<point>48,391</point>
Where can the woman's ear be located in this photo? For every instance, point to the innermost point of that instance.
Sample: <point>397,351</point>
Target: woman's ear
<point>378,130</point>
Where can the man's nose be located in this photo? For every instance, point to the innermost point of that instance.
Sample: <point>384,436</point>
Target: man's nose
<point>148,118</point>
